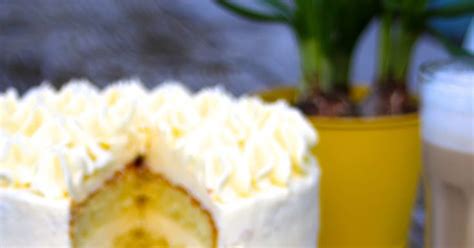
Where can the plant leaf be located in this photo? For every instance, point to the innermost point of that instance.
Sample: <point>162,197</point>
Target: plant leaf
<point>452,10</point>
<point>278,6</point>
<point>452,48</point>
<point>405,6</point>
<point>251,14</point>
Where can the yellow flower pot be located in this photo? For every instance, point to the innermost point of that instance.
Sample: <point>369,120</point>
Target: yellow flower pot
<point>370,172</point>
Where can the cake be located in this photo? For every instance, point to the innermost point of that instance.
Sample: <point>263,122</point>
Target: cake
<point>126,166</point>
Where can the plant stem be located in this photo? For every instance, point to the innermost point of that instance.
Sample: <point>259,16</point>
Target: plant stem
<point>308,61</point>
<point>397,41</point>
<point>385,52</point>
<point>321,71</point>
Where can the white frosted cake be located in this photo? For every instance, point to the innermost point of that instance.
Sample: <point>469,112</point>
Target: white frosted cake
<point>131,167</point>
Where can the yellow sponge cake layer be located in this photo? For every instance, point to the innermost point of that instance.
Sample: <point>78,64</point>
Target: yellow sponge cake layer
<point>138,208</point>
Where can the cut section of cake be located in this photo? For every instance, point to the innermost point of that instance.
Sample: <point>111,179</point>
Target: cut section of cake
<point>126,166</point>
<point>138,208</point>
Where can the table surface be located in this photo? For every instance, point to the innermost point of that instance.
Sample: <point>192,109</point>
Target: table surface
<point>191,41</point>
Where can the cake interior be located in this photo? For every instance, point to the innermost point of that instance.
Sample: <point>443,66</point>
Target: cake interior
<point>138,208</point>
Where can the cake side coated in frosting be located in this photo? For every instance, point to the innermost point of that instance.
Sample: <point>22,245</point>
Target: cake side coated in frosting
<point>61,146</point>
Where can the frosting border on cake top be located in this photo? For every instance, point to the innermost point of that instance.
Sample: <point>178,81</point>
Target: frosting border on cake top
<point>65,143</point>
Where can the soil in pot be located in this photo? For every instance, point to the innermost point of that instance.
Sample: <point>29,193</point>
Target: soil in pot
<point>336,103</point>
<point>385,100</point>
<point>388,99</point>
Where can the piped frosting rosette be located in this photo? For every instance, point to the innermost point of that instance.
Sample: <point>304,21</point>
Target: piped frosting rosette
<point>65,143</point>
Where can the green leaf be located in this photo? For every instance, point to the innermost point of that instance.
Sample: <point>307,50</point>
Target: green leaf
<point>452,10</point>
<point>278,6</point>
<point>331,29</point>
<point>405,6</point>
<point>327,32</point>
<point>250,13</point>
<point>452,48</point>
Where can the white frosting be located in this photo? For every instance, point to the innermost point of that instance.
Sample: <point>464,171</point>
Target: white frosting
<point>60,144</point>
<point>28,220</point>
<point>247,162</point>
<point>448,107</point>
<point>284,218</point>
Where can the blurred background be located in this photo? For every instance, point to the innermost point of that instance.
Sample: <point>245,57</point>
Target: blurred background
<point>195,42</point>
<point>192,41</point>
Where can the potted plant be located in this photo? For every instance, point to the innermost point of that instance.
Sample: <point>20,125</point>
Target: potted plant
<point>325,50</point>
<point>369,148</point>
<point>402,22</point>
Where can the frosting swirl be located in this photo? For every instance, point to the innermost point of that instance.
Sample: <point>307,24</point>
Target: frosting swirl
<point>55,142</point>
